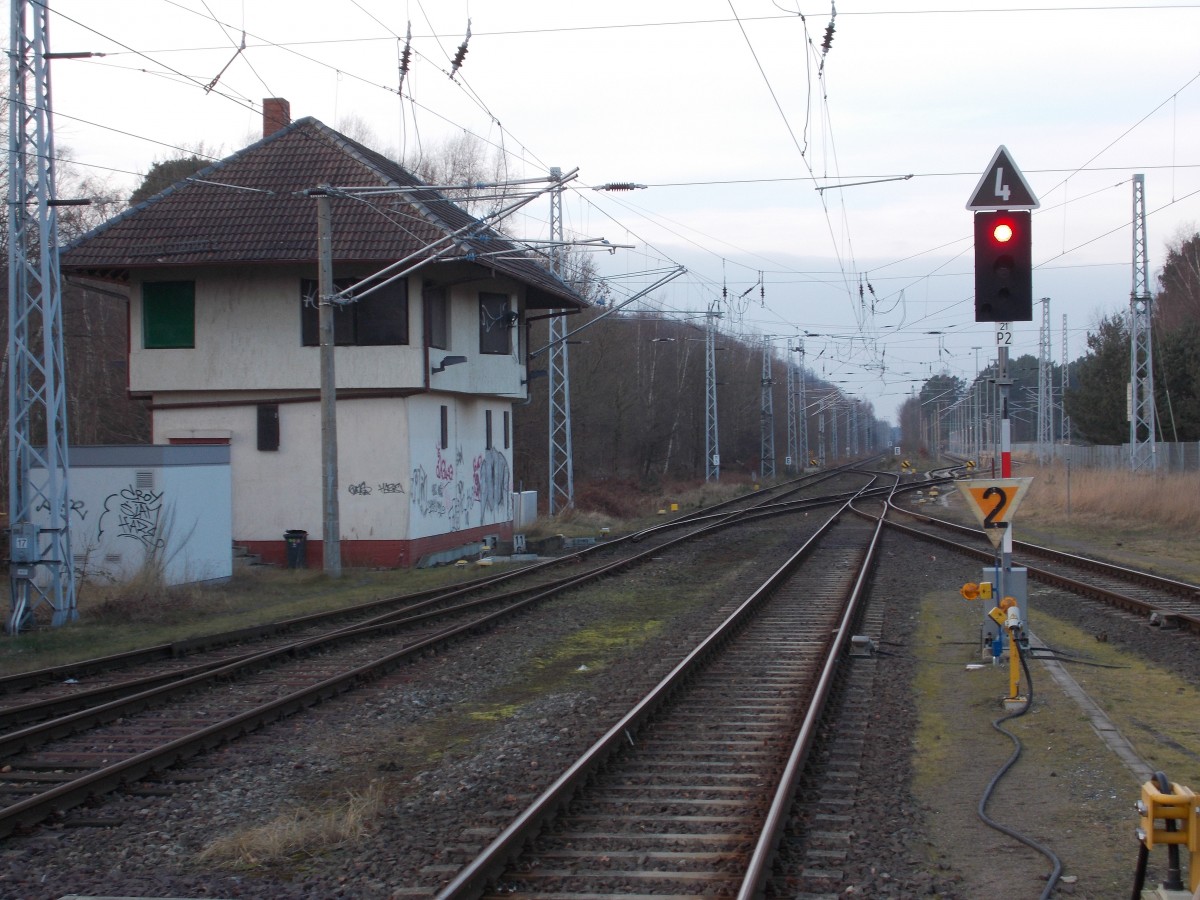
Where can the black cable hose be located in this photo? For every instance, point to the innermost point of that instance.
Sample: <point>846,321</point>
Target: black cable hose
<point>1052,881</point>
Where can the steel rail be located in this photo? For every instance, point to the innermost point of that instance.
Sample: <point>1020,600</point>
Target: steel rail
<point>758,870</point>
<point>79,790</point>
<point>1158,582</point>
<point>1188,621</point>
<point>21,681</point>
<point>472,879</point>
<point>79,709</point>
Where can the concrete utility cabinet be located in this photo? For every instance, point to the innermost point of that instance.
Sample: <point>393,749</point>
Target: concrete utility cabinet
<point>158,504</point>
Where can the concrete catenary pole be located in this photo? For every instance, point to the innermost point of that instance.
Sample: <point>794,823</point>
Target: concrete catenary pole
<point>330,520</point>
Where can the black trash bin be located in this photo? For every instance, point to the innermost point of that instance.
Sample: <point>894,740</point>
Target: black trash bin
<point>297,548</point>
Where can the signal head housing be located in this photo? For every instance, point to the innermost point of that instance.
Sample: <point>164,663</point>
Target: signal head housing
<point>1003,266</point>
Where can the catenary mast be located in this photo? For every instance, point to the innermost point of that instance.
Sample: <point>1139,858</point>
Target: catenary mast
<point>37,396</point>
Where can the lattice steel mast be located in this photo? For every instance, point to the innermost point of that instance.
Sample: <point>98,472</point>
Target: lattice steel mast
<point>802,409</point>
<point>767,414</point>
<point>792,449</point>
<point>1065,431</point>
<point>562,469</point>
<point>1045,407</point>
<point>712,448</point>
<point>1142,426</point>
<point>834,453</point>
<point>37,397</point>
<point>821,435</point>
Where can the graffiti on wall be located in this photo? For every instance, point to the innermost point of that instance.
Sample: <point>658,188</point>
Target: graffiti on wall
<point>447,494</point>
<point>362,489</point>
<point>134,513</point>
<point>492,481</point>
<point>437,497</point>
<point>77,506</point>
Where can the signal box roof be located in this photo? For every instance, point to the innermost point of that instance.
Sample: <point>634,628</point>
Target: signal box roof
<point>252,208</point>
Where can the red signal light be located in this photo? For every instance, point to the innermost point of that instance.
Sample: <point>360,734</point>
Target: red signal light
<point>1003,232</point>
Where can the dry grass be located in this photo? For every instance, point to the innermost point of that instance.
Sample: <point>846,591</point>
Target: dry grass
<point>1112,495</point>
<point>619,503</point>
<point>115,618</point>
<point>145,611</point>
<point>300,831</point>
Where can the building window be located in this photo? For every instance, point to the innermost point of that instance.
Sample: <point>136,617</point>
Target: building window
<point>437,318</point>
<point>495,322</point>
<point>377,320</point>
<point>268,426</point>
<point>168,315</point>
<point>506,428</point>
<point>487,428</point>
<point>445,440</point>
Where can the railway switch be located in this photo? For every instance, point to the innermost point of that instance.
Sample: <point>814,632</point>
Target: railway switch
<point>1179,812</point>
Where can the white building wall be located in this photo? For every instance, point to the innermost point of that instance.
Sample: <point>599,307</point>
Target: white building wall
<point>483,373</point>
<point>280,490</point>
<point>248,336</point>
<point>466,484</point>
<point>394,481</point>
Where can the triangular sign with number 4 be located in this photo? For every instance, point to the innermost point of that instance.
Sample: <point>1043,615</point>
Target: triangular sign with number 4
<point>1002,186</point>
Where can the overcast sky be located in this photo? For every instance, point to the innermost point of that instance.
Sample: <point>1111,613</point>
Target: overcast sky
<point>735,119</point>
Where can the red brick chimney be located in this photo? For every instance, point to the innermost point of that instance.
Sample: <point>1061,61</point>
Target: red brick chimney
<point>277,113</point>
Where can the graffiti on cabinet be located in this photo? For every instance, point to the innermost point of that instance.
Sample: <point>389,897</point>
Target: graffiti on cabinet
<point>77,506</point>
<point>134,513</point>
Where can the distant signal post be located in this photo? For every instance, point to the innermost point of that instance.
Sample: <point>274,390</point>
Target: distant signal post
<point>1001,205</point>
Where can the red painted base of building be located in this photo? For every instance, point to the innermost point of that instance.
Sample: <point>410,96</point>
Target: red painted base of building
<point>377,554</point>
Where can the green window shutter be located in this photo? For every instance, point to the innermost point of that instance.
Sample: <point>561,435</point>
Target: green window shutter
<point>168,315</point>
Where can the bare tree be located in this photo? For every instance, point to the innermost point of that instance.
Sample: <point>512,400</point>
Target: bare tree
<point>465,160</point>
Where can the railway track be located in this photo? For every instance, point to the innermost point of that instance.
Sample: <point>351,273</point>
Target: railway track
<point>688,793</point>
<point>145,725</point>
<point>818,844</point>
<point>1163,601</point>
<point>687,797</point>
<point>39,695</point>
<point>178,654</point>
